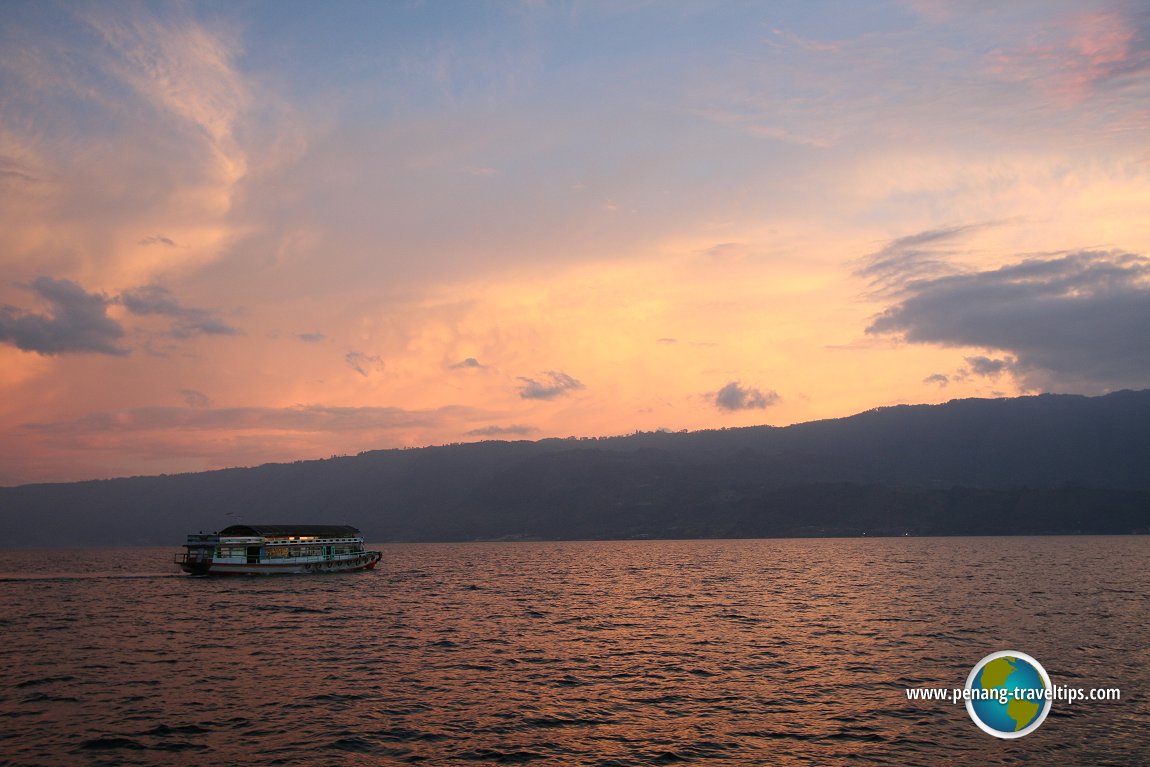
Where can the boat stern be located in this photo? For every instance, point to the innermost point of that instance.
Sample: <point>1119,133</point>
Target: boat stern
<point>196,559</point>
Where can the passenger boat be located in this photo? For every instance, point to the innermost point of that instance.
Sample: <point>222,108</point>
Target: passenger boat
<point>273,549</point>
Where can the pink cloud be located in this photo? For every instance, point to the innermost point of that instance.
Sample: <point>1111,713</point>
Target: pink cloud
<point>1087,51</point>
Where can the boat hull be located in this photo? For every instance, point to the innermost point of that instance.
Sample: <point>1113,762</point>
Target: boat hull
<point>365,560</point>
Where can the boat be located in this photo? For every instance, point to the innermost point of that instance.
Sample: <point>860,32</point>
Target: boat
<point>276,549</point>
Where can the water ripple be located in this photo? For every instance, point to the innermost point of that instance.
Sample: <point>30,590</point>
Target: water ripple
<point>581,654</point>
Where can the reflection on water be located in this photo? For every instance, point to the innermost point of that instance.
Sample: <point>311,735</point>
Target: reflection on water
<point>779,652</point>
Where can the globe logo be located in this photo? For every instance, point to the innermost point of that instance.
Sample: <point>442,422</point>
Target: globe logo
<point>1008,694</point>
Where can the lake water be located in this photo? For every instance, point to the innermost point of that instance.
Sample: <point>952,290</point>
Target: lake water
<point>764,652</point>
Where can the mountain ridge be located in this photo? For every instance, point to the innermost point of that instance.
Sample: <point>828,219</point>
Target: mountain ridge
<point>1049,463</point>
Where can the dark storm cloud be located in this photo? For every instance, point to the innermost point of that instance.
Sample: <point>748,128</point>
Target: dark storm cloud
<point>558,385</point>
<point>76,322</point>
<point>514,430</point>
<point>187,321</point>
<point>734,397</point>
<point>1079,319</point>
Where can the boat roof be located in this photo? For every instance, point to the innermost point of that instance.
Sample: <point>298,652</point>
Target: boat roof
<point>323,531</point>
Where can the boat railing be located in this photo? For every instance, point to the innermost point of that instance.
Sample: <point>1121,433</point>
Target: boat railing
<point>192,557</point>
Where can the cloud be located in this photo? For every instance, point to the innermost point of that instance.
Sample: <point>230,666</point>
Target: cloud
<point>937,378</point>
<point>734,397</point>
<point>193,398</point>
<point>470,362</point>
<point>1079,55</point>
<point>151,299</point>
<point>311,338</point>
<point>726,252</point>
<point>560,384</point>
<point>676,341</point>
<point>987,367</point>
<point>503,431</point>
<point>10,170</point>
<point>76,322</point>
<point>134,121</point>
<point>189,321</point>
<point>1077,320</point>
<point>906,260</point>
<point>364,364</point>
<point>183,67</point>
<point>302,418</point>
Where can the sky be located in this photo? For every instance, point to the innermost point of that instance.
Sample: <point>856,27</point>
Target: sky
<point>234,233</point>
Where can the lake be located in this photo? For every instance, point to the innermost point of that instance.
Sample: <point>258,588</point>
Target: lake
<point>763,652</point>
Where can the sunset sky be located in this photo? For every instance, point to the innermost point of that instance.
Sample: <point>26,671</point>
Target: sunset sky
<point>241,232</point>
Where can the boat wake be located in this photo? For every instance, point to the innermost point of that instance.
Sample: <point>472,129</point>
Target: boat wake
<point>25,577</point>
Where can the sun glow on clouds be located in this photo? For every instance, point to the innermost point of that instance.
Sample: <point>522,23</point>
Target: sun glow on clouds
<point>160,155</point>
<point>232,236</point>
